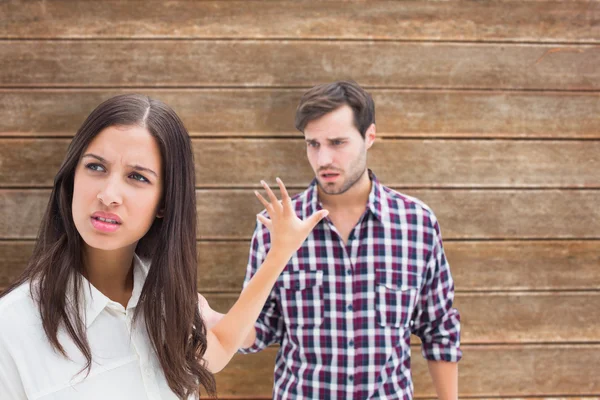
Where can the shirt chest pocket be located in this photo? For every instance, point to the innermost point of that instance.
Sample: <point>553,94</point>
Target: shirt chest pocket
<point>396,297</point>
<point>301,298</point>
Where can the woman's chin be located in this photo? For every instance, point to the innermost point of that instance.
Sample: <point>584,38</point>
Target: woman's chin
<point>104,243</point>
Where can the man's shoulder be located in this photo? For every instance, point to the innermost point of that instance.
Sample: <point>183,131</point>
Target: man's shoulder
<point>402,203</point>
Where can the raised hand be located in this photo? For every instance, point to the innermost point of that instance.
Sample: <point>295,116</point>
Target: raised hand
<point>288,232</point>
<point>236,328</point>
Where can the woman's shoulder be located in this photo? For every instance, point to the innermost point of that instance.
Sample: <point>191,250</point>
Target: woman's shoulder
<point>19,295</point>
<point>17,308</point>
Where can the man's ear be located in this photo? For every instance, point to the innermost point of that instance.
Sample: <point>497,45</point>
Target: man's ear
<point>370,135</point>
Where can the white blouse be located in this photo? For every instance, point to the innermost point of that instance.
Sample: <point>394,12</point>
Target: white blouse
<point>124,365</point>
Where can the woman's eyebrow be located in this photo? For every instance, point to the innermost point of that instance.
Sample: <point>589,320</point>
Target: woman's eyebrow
<point>95,156</point>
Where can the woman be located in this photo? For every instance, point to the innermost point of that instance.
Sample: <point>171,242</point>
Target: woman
<point>107,306</point>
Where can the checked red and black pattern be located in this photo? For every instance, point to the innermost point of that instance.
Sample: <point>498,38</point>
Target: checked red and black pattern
<point>343,313</point>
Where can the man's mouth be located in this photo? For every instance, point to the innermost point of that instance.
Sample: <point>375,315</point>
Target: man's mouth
<point>329,176</point>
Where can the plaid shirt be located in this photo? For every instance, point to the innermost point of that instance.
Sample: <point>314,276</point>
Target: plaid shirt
<point>343,314</point>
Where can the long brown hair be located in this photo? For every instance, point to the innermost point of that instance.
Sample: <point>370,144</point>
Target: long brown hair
<point>168,302</point>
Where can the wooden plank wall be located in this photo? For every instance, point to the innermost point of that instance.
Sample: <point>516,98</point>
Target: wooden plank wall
<point>489,111</point>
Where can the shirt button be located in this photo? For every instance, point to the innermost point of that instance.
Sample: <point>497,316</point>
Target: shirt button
<point>351,343</point>
<point>350,308</point>
<point>349,272</point>
<point>350,378</point>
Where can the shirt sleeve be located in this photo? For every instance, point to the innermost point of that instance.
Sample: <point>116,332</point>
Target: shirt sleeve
<point>269,325</point>
<point>11,386</point>
<point>435,321</point>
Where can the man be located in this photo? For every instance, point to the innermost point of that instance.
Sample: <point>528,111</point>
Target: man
<point>369,275</point>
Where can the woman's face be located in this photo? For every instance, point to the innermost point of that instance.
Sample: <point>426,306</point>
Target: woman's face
<point>118,187</point>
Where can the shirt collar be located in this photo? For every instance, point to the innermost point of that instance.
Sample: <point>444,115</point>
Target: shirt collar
<point>95,301</point>
<point>377,202</point>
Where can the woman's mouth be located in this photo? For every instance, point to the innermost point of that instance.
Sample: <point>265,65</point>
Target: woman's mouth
<point>104,224</point>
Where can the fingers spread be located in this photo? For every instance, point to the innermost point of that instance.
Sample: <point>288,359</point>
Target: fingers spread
<point>263,201</point>
<point>264,220</point>
<point>314,219</point>
<point>286,201</point>
<point>284,193</point>
<point>270,193</point>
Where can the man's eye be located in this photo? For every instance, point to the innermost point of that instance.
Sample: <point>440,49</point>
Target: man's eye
<point>95,167</point>
<point>313,144</point>
<point>139,177</point>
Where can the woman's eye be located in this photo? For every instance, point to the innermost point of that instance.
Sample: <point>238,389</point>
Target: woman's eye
<point>139,177</point>
<point>95,167</point>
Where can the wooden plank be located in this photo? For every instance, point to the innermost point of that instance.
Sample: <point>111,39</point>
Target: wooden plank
<point>270,112</point>
<point>525,265</point>
<point>548,21</point>
<point>548,317</point>
<point>14,257</point>
<point>21,212</point>
<point>498,371</point>
<point>434,163</point>
<point>463,214</point>
<point>151,63</point>
<point>27,162</point>
<point>523,317</point>
<point>476,266</point>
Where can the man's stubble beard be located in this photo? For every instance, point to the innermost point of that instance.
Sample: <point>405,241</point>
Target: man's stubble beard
<point>352,180</point>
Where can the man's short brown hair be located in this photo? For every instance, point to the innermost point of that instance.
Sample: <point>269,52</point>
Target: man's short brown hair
<point>328,97</point>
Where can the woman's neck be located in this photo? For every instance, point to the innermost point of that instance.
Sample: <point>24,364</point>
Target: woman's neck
<point>111,272</point>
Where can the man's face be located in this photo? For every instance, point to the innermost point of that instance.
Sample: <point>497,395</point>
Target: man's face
<point>336,150</point>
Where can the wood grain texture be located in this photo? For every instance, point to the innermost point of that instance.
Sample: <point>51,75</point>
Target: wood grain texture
<point>476,266</point>
<point>151,63</point>
<point>463,214</point>
<point>521,216</point>
<point>525,265</point>
<point>13,260</point>
<point>270,112</point>
<point>548,21</point>
<point>222,163</point>
<point>527,370</point>
<point>523,317</point>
